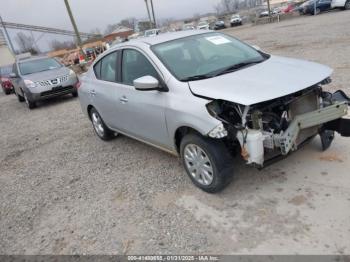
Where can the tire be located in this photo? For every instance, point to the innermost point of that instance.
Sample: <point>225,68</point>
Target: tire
<point>318,11</point>
<point>75,94</point>
<point>347,5</point>
<point>19,97</point>
<point>100,128</point>
<point>213,155</point>
<point>7,92</point>
<point>30,104</point>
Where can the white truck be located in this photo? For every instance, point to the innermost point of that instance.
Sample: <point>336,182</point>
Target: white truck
<point>343,4</point>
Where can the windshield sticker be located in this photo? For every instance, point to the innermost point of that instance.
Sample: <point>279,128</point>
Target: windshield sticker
<point>218,40</point>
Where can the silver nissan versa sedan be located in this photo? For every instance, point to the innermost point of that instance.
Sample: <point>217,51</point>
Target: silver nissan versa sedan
<point>39,78</point>
<point>205,96</point>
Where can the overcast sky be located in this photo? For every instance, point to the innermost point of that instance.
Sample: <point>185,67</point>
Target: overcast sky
<point>90,14</point>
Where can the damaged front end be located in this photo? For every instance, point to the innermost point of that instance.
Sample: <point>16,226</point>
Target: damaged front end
<point>274,128</point>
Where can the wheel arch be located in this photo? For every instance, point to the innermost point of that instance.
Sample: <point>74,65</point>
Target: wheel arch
<point>181,132</point>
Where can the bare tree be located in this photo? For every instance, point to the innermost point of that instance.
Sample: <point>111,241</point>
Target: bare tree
<point>57,45</point>
<point>26,43</point>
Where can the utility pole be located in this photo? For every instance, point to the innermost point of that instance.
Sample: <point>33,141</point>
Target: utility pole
<point>7,35</point>
<point>75,28</point>
<point>269,8</point>
<point>154,18</point>
<point>149,15</point>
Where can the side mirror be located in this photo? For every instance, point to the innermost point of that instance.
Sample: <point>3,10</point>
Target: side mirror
<point>257,48</point>
<point>146,83</point>
<point>13,75</point>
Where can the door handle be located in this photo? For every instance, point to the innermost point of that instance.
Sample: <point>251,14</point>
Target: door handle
<point>92,92</point>
<point>123,99</point>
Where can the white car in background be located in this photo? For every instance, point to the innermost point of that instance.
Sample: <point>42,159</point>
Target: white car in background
<point>203,26</point>
<point>152,32</point>
<point>188,27</point>
<point>343,4</point>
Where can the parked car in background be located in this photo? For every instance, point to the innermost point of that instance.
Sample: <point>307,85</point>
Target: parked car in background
<point>188,27</point>
<point>235,20</point>
<point>152,32</point>
<point>39,78</point>
<point>204,95</point>
<point>219,25</point>
<point>313,7</point>
<point>264,13</point>
<point>203,25</point>
<point>342,4</point>
<point>289,8</point>
<point>5,80</point>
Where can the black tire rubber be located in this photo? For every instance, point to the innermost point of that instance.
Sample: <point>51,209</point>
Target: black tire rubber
<point>75,94</point>
<point>219,156</point>
<point>7,92</point>
<point>108,134</point>
<point>30,104</point>
<point>347,5</point>
<point>19,97</point>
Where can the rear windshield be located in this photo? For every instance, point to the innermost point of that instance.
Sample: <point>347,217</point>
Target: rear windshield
<point>5,70</point>
<point>40,65</point>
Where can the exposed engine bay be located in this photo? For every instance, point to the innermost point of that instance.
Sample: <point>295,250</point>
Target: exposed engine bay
<point>276,127</point>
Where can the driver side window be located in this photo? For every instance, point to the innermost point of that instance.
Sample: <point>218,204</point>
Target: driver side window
<point>136,65</point>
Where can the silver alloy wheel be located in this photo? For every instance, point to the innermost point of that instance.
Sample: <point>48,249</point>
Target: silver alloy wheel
<point>97,123</point>
<point>198,164</point>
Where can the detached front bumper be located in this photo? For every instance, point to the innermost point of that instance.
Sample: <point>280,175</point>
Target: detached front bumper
<point>329,118</point>
<point>287,140</point>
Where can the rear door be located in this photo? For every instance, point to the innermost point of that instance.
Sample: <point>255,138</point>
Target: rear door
<point>103,90</point>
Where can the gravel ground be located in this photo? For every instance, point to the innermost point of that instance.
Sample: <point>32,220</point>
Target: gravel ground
<point>64,191</point>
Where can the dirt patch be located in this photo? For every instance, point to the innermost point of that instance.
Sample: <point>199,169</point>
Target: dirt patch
<point>331,158</point>
<point>298,200</point>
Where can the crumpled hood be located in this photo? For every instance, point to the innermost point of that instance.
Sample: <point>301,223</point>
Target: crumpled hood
<point>273,78</point>
<point>47,75</point>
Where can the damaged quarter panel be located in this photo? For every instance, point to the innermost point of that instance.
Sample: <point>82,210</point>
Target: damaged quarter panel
<point>273,78</point>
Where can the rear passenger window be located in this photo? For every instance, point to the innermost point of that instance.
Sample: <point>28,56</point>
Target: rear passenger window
<point>108,67</point>
<point>97,70</point>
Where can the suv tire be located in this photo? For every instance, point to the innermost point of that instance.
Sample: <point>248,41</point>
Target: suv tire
<point>29,103</point>
<point>19,97</point>
<point>347,5</point>
<point>100,128</point>
<point>207,162</point>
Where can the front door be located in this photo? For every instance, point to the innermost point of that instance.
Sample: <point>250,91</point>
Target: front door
<point>140,113</point>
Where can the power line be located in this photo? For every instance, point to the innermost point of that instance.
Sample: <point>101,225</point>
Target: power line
<point>45,29</point>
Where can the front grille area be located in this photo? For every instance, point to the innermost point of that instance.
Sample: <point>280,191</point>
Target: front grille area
<point>57,91</point>
<point>54,81</point>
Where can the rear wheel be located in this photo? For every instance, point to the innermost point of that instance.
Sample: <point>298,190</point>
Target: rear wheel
<point>75,93</point>
<point>207,162</point>
<point>29,103</point>
<point>100,128</point>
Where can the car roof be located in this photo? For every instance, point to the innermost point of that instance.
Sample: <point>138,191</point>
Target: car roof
<point>31,58</point>
<point>162,38</point>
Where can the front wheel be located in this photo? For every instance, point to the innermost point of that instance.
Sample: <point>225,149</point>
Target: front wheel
<point>30,104</point>
<point>207,162</point>
<point>19,97</point>
<point>347,5</point>
<point>100,128</point>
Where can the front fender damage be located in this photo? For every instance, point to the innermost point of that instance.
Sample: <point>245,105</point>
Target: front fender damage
<point>275,128</point>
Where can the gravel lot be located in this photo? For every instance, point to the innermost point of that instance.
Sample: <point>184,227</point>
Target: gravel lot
<point>64,191</point>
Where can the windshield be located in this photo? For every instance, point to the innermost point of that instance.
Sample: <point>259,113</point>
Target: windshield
<point>35,66</point>
<point>204,55</point>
